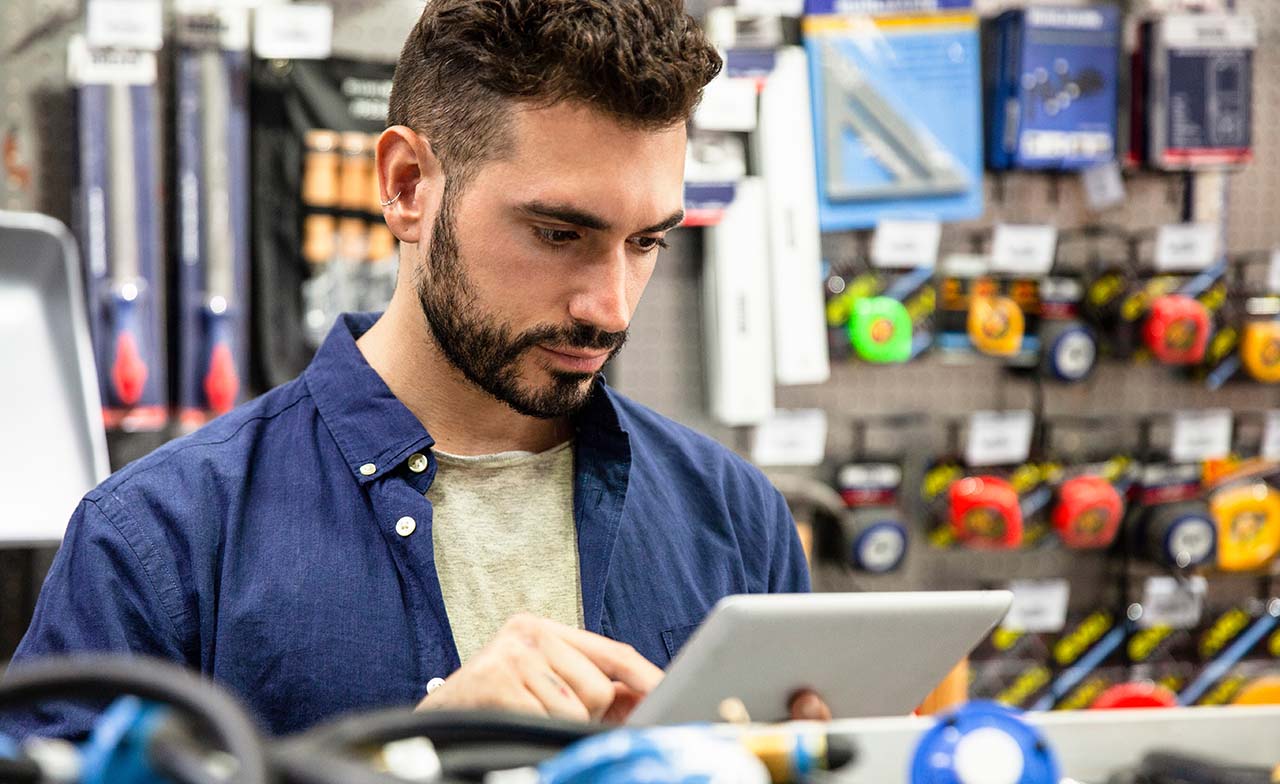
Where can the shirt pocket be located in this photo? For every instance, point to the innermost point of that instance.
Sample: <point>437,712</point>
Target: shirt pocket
<point>675,638</point>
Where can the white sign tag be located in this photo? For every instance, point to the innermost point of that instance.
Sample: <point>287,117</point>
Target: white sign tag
<point>1186,247</point>
<point>1103,186</point>
<point>1024,250</point>
<point>1273,273</point>
<point>86,65</point>
<point>998,438</point>
<point>293,31</point>
<point>1038,606</point>
<point>728,104</point>
<point>1271,436</point>
<point>1167,601</point>
<point>791,438</point>
<point>125,24</point>
<point>770,7</point>
<point>1201,435</point>
<point>906,243</point>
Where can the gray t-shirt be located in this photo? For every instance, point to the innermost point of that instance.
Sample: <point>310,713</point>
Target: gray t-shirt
<point>505,543</point>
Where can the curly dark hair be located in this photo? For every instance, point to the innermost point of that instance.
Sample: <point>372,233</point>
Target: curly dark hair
<point>643,62</point>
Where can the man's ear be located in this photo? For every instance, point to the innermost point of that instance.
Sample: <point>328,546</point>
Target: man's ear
<point>410,178</point>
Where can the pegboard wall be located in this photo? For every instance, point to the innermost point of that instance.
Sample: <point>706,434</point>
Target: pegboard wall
<point>662,366</point>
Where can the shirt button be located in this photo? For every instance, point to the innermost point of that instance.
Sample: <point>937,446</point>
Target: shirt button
<point>417,463</point>
<point>368,469</point>
<point>434,684</point>
<point>406,526</point>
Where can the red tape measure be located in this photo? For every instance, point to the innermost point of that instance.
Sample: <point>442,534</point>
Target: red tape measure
<point>985,513</point>
<point>1177,329</point>
<point>1088,512</point>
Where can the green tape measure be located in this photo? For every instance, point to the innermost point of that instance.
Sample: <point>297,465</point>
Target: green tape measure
<point>880,330</point>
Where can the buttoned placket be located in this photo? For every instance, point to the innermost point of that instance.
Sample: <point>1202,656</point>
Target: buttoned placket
<point>404,517</point>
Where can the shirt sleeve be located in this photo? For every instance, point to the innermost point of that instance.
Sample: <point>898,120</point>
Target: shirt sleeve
<point>788,569</point>
<point>98,597</point>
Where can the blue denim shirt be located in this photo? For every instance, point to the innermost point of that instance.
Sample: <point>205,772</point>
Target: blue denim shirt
<point>262,550</point>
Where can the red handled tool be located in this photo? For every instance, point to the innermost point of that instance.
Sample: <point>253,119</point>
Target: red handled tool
<point>127,371</point>
<point>1135,695</point>
<point>220,379</point>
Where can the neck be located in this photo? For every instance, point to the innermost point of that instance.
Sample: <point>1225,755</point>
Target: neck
<point>462,418</point>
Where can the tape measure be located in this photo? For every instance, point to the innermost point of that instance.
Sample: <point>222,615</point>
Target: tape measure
<point>996,325</point>
<point>1088,513</point>
<point>876,539</point>
<point>880,330</point>
<point>1248,520</point>
<point>1177,329</point>
<point>1070,351</point>
<point>1260,350</point>
<point>1263,691</point>
<point>984,743</point>
<point>985,513</point>
<point>1143,694</point>
<point>1180,534</point>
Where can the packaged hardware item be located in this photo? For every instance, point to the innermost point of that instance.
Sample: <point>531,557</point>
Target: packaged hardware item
<point>1053,96</point>
<point>897,110</point>
<point>211,126</point>
<point>1197,85</point>
<point>120,226</point>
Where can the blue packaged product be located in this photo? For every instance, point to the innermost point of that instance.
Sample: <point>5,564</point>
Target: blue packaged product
<point>1054,98</point>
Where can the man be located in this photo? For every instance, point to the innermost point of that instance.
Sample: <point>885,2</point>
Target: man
<point>450,507</point>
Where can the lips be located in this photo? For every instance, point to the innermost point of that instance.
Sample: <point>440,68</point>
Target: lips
<point>576,360</point>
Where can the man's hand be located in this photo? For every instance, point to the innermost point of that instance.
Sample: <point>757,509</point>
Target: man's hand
<point>545,668</point>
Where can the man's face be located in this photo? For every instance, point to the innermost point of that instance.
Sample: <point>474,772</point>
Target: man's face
<point>532,272</point>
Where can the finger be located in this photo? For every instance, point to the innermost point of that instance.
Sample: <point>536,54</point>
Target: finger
<point>588,683</point>
<point>617,660</point>
<point>625,700</point>
<point>551,691</point>
<point>808,706</point>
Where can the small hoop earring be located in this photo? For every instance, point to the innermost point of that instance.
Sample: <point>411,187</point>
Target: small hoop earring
<point>392,200</point>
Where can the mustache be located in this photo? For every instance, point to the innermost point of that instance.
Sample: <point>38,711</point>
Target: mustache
<point>580,336</point>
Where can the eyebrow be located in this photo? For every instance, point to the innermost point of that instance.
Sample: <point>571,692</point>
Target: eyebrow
<point>577,217</point>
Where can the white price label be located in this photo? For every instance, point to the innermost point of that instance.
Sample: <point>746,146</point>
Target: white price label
<point>1273,273</point>
<point>998,438</point>
<point>1271,436</point>
<point>1103,186</point>
<point>1186,247</point>
<point>906,243</point>
<point>1038,606</point>
<point>1024,250</point>
<point>87,65</point>
<point>1201,435</point>
<point>294,31</point>
<point>728,104</point>
<point>791,438</point>
<point>124,24</point>
<point>771,7</point>
<point>1168,601</point>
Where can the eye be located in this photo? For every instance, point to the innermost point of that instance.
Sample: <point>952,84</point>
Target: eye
<point>556,237</point>
<point>650,244</point>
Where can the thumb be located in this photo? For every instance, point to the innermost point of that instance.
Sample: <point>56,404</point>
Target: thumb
<point>625,700</point>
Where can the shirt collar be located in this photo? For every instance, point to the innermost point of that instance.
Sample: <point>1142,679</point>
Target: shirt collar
<point>371,425</point>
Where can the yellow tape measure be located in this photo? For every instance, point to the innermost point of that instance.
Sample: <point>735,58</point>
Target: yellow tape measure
<point>1248,520</point>
<point>1260,350</point>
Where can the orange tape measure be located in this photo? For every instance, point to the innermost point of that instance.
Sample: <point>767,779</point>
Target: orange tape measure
<point>996,325</point>
<point>1248,520</point>
<point>1260,350</point>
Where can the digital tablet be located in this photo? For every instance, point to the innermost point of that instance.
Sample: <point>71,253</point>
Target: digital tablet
<point>865,654</point>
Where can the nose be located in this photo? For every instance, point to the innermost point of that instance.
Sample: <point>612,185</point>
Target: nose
<point>601,298</point>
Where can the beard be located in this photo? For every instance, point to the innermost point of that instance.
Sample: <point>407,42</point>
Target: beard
<point>486,350</point>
